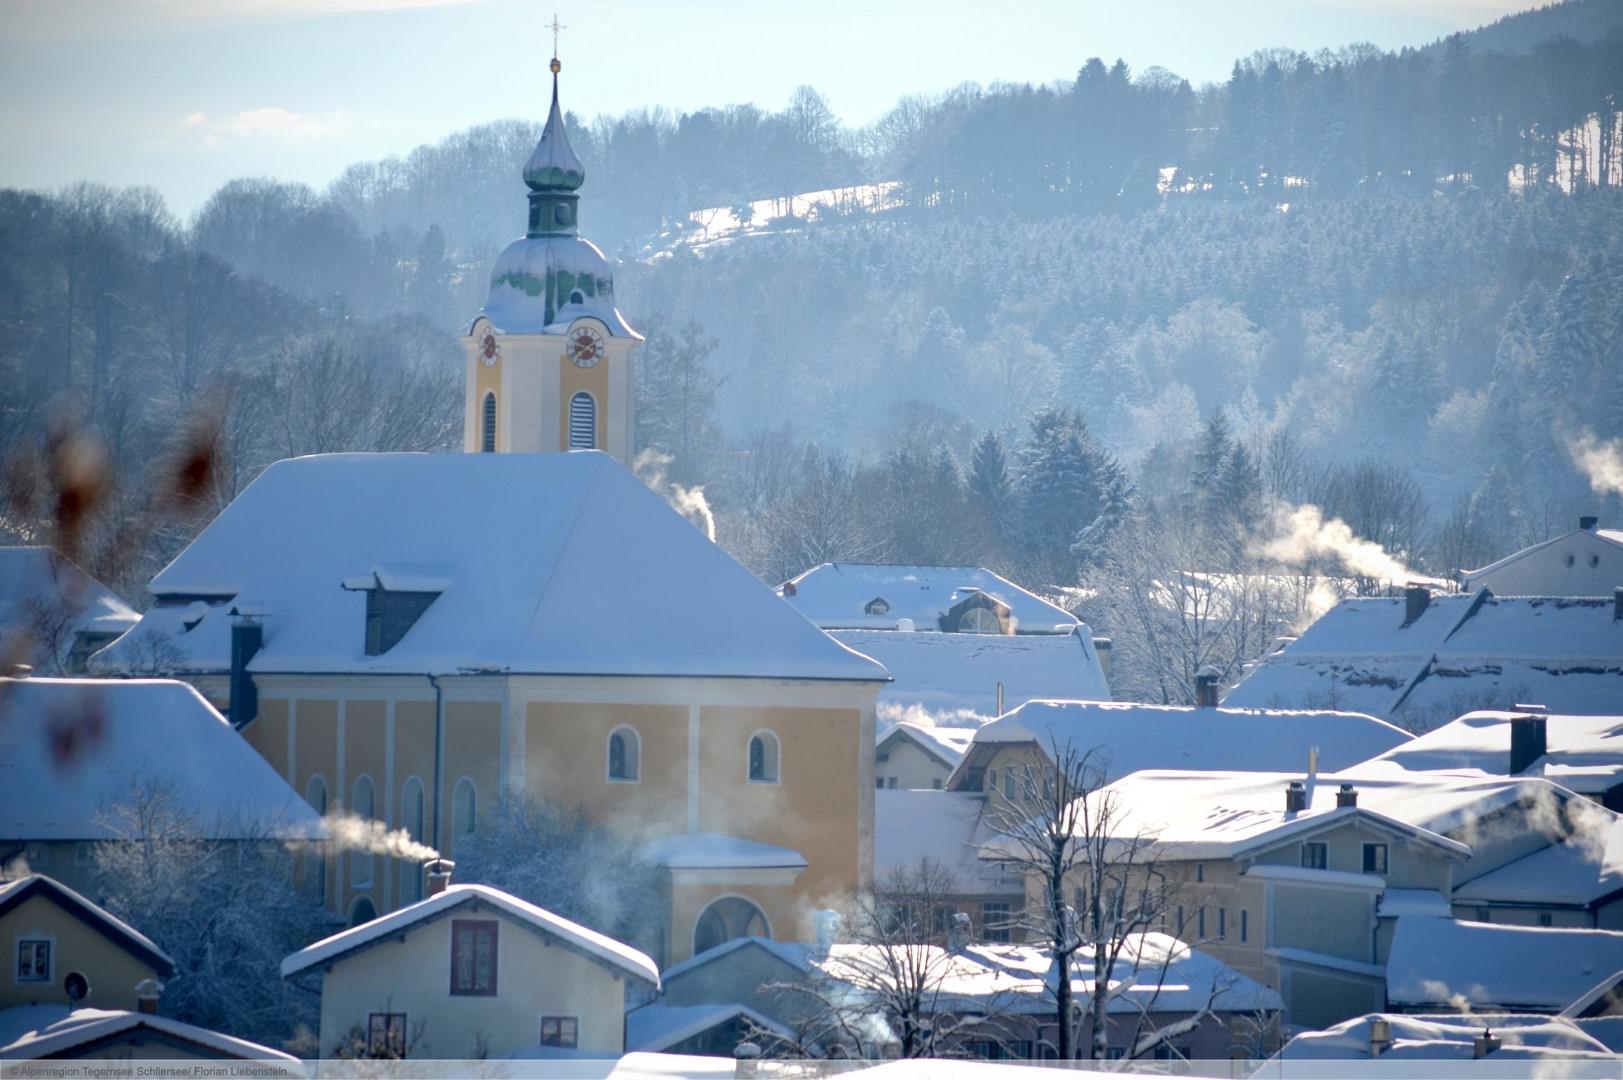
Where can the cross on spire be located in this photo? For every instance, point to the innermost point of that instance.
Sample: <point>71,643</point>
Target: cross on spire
<point>555,26</point>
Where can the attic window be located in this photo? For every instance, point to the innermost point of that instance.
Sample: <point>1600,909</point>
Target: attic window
<point>877,606</point>
<point>979,620</point>
<point>390,613</point>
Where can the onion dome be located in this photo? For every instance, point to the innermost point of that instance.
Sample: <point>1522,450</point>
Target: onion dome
<point>553,166</point>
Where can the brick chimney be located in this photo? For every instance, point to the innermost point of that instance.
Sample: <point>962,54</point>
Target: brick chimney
<point>1415,600</point>
<point>1346,795</point>
<point>147,994</point>
<point>1529,739</point>
<point>1206,687</point>
<point>1295,797</point>
<point>439,875</point>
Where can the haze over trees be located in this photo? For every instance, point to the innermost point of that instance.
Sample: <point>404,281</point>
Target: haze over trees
<point>1100,332</point>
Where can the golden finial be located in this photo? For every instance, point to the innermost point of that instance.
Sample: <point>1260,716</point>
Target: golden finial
<point>555,26</point>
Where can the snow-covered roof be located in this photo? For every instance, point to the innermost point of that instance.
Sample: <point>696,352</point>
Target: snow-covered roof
<point>946,827</point>
<point>837,595</point>
<point>1577,538</point>
<point>794,954</point>
<point>1582,870</point>
<point>1132,736</point>
<point>32,1032</point>
<point>72,750</point>
<point>39,586</point>
<point>598,946</point>
<point>1449,1036</point>
<point>1214,814</point>
<point>652,1028</point>
<point>1161,974</point>
<point>1395,903</point>
<point>951,679</point>
<point>97,917</point>
<point>717,851</point>
<point>1465,651</point>
<point>1445,963</point>
<point>557,564</point>
<point>945,744</point>
<point>1585,753</point>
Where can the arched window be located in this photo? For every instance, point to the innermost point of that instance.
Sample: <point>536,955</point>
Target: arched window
<point>315,793</point>
<point>727,918</point>
<point>363,804</point>
<point>487,430</point>
<point>464,807</point>
<point>625,754</point>
<point>413,808</point>
<point>979,620</point>
<point>364,911</point>
<point>763,758</point>
<point>582,422</point>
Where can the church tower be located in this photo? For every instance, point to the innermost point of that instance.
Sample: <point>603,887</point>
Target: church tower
<point>549,355</point>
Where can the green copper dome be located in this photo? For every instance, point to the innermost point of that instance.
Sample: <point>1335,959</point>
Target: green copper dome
<point>553,166</point>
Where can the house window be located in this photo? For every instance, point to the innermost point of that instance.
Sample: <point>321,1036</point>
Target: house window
<point>1200,871</point>
<point>879,782</point>
<point>1222,924</point>
<point>84,854</point>
<point>1200,922</point>
<point>386,1034</point>
<point>582,422</point>
<point>890,782</point>
<point>473,957</point>
<point>1374,858</point>
<point>1245,927</point>
<point>1544,918</point>
<point>995,921</point>
<point>1484,915</point>
<point>624,754</point>
<point>763,758</point>
<point>560,1031</point>
<point>882,756</point>
<point>979,620</point>
<point>487,442</point>
<point>34,960</point>
<point>1315,855</point>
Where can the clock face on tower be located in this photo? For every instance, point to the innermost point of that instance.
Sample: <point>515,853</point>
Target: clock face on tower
<point>585,346</point>
<point>489,351</point>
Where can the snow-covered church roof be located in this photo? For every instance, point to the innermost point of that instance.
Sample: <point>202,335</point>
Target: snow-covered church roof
<point>874,596</point>
<point>1463,652</point>
<point>552,564</point>
<point>73,750</point>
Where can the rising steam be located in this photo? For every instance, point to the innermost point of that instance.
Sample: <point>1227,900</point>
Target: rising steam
<point>351,832</point>
<point>1303,533</point>
<point>650,466</point>
<point>1601,462</point>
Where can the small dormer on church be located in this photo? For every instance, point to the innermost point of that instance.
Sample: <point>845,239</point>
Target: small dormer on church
<point>549,356</point>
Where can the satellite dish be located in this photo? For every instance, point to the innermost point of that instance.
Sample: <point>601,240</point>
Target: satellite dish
<point>76,986</point>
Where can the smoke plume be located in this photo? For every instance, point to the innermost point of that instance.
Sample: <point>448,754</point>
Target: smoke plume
<point>1303,534</point>
<point>1601,462</point>
<point>351,832</point>
<point>649,467</point>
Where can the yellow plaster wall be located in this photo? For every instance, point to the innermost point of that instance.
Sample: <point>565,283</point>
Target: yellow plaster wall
<point>268,734</point>
<point>566,762</point>
<point>472,749</point>
<point>112,970</point>
<point>413,756</point>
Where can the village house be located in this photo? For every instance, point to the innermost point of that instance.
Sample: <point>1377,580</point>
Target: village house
<point>78,755</point>
<point>948,829</point>
<point>1299,880</point>
<point>1587,561</point>
<point>86,985</point>
<point>918,756</point>
<point>53,615</point>
<point>471,972</point>
<point>921,599</point>
<point>1421,660</point>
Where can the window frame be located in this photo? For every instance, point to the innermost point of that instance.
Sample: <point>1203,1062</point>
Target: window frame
<point>776,776</point>
<point>390,1020</point>
<point>1370,848</point>
<point>979,615</point>
<point>590,400</point>
<point>635,756</point>
<point>1004,912</point>
<point>560,1020</point>
<point>461,931</point>
<point>33,942</point>
<point>468,827</point>
<point>1320,846</point>
<point>487,423</point>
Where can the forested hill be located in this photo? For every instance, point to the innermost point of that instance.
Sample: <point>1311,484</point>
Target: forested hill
<point>1585,20</point>
<point>1328,276</point>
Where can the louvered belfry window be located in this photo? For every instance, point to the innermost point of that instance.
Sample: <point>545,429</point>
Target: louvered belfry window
<point>582,422</point>
<point>488,434</point>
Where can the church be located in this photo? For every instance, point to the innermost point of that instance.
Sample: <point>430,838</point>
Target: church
<point>417,637</point>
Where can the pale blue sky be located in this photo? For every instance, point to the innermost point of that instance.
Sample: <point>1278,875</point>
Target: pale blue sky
<point>186,94</point>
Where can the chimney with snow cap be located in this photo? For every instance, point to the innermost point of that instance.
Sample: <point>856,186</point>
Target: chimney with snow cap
<point>147,994</point>
<point>1295,797</point>
<point>1346,795</point>
<point>1416,598</point>
<point>439,874</point>
<point>1529,739</point>
<point>1380,1036</point>
<point>1206,680</point>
